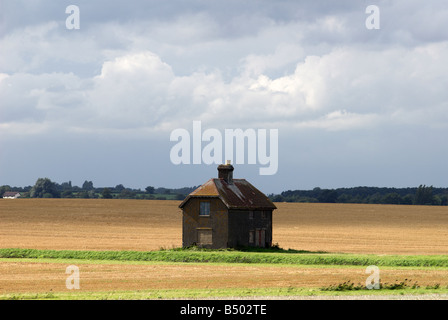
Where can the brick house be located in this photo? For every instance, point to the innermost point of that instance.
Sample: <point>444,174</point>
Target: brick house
<point>227,213</point>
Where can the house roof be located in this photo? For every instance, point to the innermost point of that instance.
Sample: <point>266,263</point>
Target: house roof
<point>239,194</point>
<point>10,194</point>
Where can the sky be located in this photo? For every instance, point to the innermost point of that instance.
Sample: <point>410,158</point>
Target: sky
<point>353,106</point>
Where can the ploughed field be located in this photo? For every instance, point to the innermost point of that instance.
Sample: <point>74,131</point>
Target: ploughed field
<point>142,225</point>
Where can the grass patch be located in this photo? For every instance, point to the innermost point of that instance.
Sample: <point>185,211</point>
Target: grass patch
<point>232,256</point>
<point>273,249</point>
<point>224,293</point>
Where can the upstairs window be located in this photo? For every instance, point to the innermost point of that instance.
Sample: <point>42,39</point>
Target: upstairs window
<point>204,209</point>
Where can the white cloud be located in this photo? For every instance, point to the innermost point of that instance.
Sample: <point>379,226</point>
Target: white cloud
<point>347,88</point>
<point>158,74</point>
<point>341,120</point>
<point>47,48</point>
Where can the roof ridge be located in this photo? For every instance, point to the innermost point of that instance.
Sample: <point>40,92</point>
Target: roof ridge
<point>240,194</point>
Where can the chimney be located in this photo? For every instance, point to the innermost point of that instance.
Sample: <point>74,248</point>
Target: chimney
<point>225,171</point>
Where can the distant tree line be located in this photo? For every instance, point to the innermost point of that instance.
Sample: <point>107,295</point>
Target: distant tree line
<point>45,188</point>
<point>423,195</point>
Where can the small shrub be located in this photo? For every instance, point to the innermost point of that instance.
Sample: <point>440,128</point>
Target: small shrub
<point>436,286</point>
<point>348,286</point>
<point>345,286</point>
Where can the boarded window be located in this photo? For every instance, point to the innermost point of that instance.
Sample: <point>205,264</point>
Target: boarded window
<point>204,209</point>
<point>205,237</point>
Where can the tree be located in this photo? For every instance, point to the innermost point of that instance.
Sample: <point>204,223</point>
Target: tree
<point>87,185</point>
<point>66,186</point>
<point>277,198</point>
<point>83,194</point>
<point>392,198</point>
<point>424,195</point>
<point>164,191</point>
<point>408,199</point>
<point>437,201</point>
<point>328,196</point>
<point>180,196</point>
<point>150,190</point>
<point>375,198</point>
<point>66,194</point>
<point>44,187</point>
<point>444,200</point>
<point>106,194</point>
<point>345,198</point>
<point>119,188</point>
<point>127,194</point>
<point>4,189</point>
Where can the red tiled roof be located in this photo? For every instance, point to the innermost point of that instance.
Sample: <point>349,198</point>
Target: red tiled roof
<point>238,195</point>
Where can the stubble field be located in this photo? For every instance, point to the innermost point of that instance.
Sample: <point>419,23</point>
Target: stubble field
<point>143,225</point>
<point>75,224</point>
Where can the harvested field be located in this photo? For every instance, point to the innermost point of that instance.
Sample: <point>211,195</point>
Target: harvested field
<point>142,225</point>
<point>363,228</point>
<point>26,276</point>
<point>95,224</point>
<point>90,224</point>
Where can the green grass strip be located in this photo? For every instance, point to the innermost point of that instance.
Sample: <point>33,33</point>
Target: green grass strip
<point>228,293</point>
<point>233,256</point>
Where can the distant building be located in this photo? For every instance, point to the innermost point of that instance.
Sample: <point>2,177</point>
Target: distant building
<point>11,195</point>
<point>226,213</point>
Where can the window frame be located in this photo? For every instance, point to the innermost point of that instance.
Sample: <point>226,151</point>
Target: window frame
<point>201,209</point>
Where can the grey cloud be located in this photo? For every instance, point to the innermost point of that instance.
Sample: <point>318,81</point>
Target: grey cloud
<point>310,68</point>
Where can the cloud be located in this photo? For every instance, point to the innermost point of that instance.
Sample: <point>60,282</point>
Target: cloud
<point>131,91</point>
<point>273,68</point>
<point>347,88</point>
<point>341,120</point>
<point>341,96</point>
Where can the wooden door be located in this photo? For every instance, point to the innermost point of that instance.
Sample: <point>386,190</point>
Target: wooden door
<point>260,237</point>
